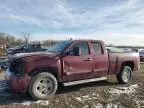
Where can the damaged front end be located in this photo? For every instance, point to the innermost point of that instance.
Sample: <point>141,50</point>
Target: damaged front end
<point>15,75</point>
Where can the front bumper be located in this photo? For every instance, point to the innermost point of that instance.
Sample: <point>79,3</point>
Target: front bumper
<point>16,82</point>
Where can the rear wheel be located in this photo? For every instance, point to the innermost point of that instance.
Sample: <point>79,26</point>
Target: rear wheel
<point>43,85</point>
<point>125,75</point>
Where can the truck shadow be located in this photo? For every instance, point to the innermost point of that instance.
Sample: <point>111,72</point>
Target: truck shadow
<point>7,96</point>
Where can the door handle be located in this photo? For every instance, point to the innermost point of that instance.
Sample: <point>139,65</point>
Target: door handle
<point>88,59</point>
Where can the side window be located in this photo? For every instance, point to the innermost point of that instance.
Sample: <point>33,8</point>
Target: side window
<point>97,48</point>
<point>83,46</point>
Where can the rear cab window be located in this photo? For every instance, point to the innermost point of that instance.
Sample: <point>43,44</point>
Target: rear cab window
<point>97,48</point>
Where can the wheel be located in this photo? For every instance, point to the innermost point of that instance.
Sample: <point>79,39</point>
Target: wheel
<point>43,85</point>
<point>125,75</point>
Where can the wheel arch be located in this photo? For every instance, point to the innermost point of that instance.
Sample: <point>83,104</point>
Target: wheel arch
<point>128,63</point>
<point>51,70</point>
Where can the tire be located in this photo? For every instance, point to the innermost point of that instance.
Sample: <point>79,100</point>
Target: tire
<point>43,85</point>
<point>125,75</point>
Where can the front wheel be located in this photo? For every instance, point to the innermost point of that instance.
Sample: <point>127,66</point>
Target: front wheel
<point>43,85</point>
<point>125,75</point>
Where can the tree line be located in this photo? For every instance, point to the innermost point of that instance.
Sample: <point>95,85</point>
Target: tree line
<point>10,40</point>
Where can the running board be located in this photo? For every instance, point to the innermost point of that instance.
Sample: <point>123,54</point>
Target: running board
<point>84,81</point>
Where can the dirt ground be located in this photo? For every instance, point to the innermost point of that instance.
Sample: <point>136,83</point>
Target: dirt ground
<point>104,94</point>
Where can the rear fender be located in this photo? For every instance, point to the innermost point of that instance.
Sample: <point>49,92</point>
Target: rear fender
<point>126,63</point>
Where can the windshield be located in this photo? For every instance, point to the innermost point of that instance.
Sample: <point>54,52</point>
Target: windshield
<point>59,46</point>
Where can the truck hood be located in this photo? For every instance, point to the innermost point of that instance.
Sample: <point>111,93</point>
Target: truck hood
<point>23,55</point>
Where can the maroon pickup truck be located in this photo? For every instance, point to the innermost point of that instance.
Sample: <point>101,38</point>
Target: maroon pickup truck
<point>68,63</point>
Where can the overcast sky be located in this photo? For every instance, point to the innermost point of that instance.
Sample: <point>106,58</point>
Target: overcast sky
<point>120,22</point>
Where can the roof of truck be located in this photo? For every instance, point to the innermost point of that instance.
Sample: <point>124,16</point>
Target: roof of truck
<point>88,40</point>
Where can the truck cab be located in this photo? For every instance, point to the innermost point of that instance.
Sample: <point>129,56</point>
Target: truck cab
<point>85,59</point>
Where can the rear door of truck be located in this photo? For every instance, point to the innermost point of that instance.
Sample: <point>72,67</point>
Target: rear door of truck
<point>100,57</point>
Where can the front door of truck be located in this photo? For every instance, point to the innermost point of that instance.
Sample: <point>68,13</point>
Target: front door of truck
<point>77,67</point>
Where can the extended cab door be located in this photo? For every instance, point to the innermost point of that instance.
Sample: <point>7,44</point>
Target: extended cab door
<point>77,67</point>
<point>101,60</point>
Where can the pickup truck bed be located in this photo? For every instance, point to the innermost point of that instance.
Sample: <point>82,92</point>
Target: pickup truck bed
<point>116,61</point>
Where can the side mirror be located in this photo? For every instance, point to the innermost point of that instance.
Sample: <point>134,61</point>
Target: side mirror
<point>76,51</point>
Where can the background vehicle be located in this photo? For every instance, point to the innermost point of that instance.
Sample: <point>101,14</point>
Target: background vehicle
<point>31,47</point>
<point>141,54</point>
<point>68,63</point>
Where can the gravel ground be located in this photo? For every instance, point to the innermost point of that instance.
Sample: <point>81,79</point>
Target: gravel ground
<point>104,94</point>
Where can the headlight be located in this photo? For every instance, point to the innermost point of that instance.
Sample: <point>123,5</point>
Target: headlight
<point>17,67</point>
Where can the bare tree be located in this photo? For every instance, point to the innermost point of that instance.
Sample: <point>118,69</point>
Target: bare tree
<point>26,37</point>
